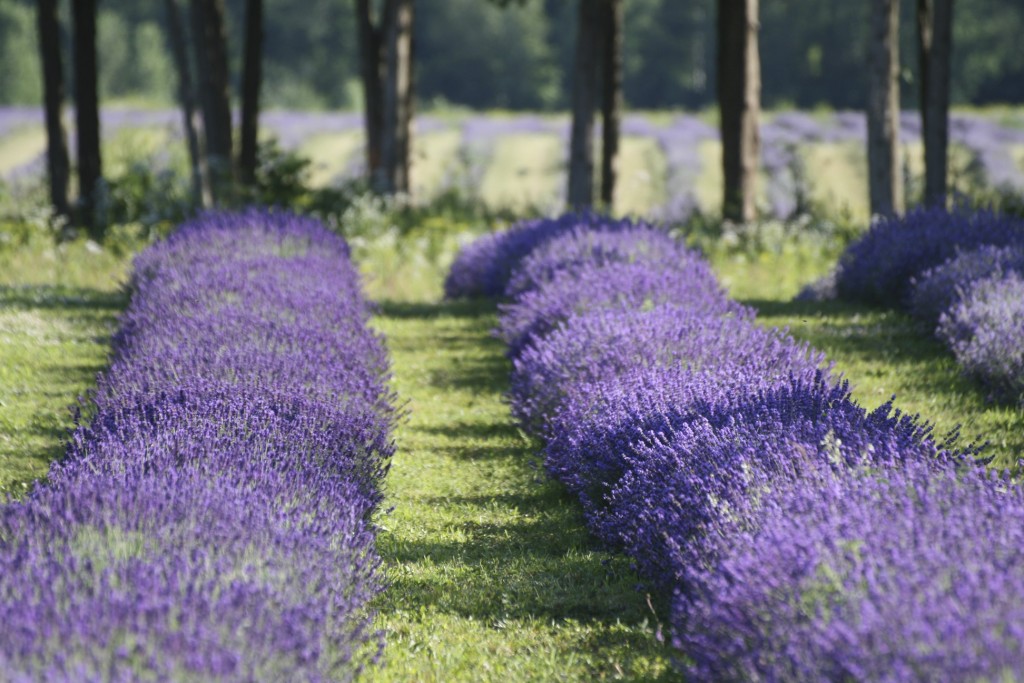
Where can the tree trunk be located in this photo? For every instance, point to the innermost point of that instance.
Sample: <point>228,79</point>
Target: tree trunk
<point>935,45</point>
<point>57,163</point>
<point>584,99</point>
<point>251,91</point>
<point>371,58</point>
<point>397,101</point>
<point>885,182</point>
<point>739,102</point>
<point>611,102</point>
<point>201,190</point>
<point>210,43</point>
<point>87,113</point>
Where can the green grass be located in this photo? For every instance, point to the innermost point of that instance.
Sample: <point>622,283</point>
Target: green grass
<point>493,575</point>
<point>524,171</point>
<point>58,308</point>
<point>330,154</point>
<point>642,171</point>
<point>21,147</point>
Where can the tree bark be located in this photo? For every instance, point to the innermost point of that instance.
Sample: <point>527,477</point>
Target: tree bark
<point>739,102</point>
<point>87,114</point>
<point>396,140</point>
<point>58,164</point>
<point>935,46</point>
<point>611,98</point>
<point>201,190</point>
<point>210,42</point>
<point>584,99</point>
<point>371,58</point>
<point>885,182</point>
<point>251,91</point>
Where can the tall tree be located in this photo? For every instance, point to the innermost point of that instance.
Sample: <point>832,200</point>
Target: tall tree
<point>386,67</point>
<point>210,41</point>
<point>611,97</point>
<point>87,113</point>
<point>251,79</point>
<point>935,47</point>
<point>57,164</point>
<point>584,100</point>
<point>201,190</point>
<point>885,182</point>
<point>397,109</point>
<point>739,104</point>
<point>372,65</point>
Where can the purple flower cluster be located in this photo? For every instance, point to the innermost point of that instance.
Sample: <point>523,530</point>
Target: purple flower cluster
<point>960,271</point>
<point>879,267</point>
<point>213,521</point>
<point>985,330</point>
<point>797,535</point>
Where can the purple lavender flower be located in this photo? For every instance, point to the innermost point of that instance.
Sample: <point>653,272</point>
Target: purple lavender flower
<point>891,573</point>
<point>985,330</point>
<point>214,519</point>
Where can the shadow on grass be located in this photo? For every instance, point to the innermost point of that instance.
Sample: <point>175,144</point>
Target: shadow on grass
<point>516,549</point>
<point>50,297</point>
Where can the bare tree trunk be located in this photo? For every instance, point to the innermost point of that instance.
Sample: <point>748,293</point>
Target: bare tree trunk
<point>739,102</point>
<point>611,102</point>
<point>210,42</point>
<point>396,140</point>
<point>87,113</point>
<point>885,182</point>
<point>201,190</point>
<point>57,163</point>
<point>371,58</point>
<point>935,46</point>
<point>251,91</point>
<point>584,99</point>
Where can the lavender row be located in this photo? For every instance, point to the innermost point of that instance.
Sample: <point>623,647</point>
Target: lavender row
<point>213,521</point>
<point>796,535</point>
<point>962,274</point>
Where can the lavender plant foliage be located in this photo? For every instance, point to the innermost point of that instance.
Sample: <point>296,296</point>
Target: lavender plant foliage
<point>938,289</point>
<point>694,472</point>
<point>984,331</point>
<point>484,267</point>
<point>604,344</point>
<point>877,574</point>
<point>582,247</point>
<point>879,267</point>
<point>625,286</point>
<point>213,522</point>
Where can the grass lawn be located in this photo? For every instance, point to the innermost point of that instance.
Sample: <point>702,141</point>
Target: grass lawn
<point>58,308</point>
<point>493,575</point>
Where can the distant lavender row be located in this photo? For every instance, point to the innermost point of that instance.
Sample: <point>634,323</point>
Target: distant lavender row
<point>213,522</point>
<point>743,480</point>
<point>961,274</point>
<point>784,136</point>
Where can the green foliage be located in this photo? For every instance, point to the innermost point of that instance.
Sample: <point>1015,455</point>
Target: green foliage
<point>20,74</point>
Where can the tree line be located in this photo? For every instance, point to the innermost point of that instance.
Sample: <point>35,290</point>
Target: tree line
<point>480,55</point>
<point>388,65</point>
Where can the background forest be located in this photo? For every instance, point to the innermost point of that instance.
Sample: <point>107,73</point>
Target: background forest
<point>520,57</point>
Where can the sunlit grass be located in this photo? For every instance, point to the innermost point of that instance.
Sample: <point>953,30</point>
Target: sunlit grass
<point>434,155</point>
<point>330,154</point>
<point>493,575</point>
<point>525,171</point>
<point>58,308</point>
<point>20,147</point>
<point>837,175</point>
<point>642,172</point>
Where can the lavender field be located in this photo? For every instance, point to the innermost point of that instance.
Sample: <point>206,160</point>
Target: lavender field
<point>669,164</point>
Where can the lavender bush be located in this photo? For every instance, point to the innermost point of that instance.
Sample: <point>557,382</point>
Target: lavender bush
<point>801,536</point>
<point>879,267</point>
<point>213,522</point>
<point>876,574</point>
<point>985,330</point>
<point>938,289</point>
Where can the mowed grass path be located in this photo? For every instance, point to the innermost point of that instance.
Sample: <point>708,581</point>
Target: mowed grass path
<point>493,575</point>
